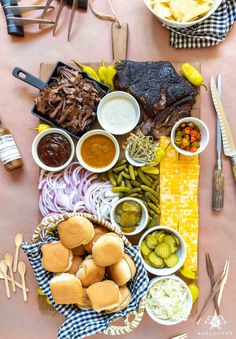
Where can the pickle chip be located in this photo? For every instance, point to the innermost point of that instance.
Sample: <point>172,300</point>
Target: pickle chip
<point>151,241</point>
<point>169,239</point>
<point>163,250</point>
<point>161,237</point>
<point>155,260</point>
<point>172,260</point>
<point>144,249</point>
<point>127,229</point>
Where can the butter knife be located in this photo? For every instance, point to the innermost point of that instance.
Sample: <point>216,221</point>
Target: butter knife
<point>228,142</point>
<point>218,176</point>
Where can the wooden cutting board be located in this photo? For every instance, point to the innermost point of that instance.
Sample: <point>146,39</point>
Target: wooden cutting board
<point>46,69</point>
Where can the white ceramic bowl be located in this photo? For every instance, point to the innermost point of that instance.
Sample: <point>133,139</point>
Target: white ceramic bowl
<point>89,134</point>
<point>175,24</point>
<point>181,252</point>
<point>189,301</point>
<point>120,124</point>
<point>132,161</point>
<point>144,217</point>
<point>35,149</point>
<point>204,135</point>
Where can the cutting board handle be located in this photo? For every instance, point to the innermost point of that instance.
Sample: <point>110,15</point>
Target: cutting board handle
<point>30,79</point>
<point>119,34</point>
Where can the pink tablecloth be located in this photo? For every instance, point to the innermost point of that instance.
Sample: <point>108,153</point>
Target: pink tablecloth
<point>90,41</point>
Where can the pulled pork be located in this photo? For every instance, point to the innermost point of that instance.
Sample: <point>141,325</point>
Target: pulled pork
<point>70,100</point>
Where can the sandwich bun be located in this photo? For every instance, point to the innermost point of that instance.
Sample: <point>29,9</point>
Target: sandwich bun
<point>125,300</point>
<point>66,289</point>
<point>122,271</point>
<point>78,250</point>
<point>98,232</point>
<point>85,303</point>
<point>108,249</point>
<point>90,273</point>
<point>56,258</point>
<point>104,295</point>
<point>76,262</point>
<point>75,231</point>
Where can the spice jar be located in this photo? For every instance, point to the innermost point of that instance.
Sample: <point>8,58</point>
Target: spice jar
<point>9,153</point>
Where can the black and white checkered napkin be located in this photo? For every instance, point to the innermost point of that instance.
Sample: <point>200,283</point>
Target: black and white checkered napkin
<point>80,323</point>
<point>208,33</point>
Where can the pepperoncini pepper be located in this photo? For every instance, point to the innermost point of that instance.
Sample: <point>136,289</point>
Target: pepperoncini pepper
<point>194,291</point>
<point>160,153</point>
<point>193,75</point>
<point>41,127</point>
<point>187,273</point>
<point>106,75</point>
<point>89,70</point>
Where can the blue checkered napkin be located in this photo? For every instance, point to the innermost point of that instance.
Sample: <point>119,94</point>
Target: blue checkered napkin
<point>80,323</point>
<point>208,33</point>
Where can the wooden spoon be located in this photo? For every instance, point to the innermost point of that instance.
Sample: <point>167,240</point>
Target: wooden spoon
<point>9,261</point>
<point>22,271</point>
<point>18,242</point>
<point>3,267</point>
<point>16,282</point>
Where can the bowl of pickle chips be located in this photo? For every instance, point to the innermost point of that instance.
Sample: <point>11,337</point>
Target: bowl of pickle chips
<point>163,250</point>
<point>130,215</point>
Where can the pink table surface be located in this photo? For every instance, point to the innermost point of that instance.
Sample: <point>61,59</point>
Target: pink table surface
<point>90,41</point>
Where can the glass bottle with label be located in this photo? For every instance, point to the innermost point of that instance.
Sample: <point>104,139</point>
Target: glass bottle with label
<point>9,153</point>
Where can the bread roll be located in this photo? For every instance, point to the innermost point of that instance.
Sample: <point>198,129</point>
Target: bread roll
<point>104,295</point>
<point>108,249</point>
<point>122,271</point>
<point>90,273</point>
<point>56,258</point>
<point>85,303</point>
<point>76,262</point>
<point>125,300</point>
<point>75,231</point>
<point>66,289</point>
<point>98,232</point>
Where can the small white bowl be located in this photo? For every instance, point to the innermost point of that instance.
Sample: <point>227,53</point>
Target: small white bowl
<point>35,149</point>
<point>132,161</point>
<point>181,252</point>
<point>205,136</point>
<point>177,24</point>
<point>89,134</point>
<point>144,217</point>
<point>119,102</point>
<point>189,301</point>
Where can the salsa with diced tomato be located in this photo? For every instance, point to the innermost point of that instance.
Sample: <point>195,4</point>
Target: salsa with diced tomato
<point>188,137</point>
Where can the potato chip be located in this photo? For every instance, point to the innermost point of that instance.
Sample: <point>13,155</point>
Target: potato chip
<point>194,13</point>
<point>181,10</point>
<point>162,10</point>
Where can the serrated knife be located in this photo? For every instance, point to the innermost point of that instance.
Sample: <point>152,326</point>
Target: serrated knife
<point>218,175</point>
<point>228,142</point>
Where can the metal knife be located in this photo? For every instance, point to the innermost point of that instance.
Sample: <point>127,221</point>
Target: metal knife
<point>25,8</point>
<point>218,176</point>
<point>228,142</point>
<point>28,21</point>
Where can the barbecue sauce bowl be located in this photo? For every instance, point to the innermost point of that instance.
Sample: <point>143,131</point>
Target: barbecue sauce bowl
<point>53,149</point>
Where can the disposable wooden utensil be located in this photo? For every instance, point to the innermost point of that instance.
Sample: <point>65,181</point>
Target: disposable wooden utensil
<point>9,261</point>
<point>16,282</point>
<point>214,292</point>
<point>181,336</point>
<point>3,268</point>
<point>226,271</point>
<point>22,271</point>
<point>210,272</point>
<point>18,242</point>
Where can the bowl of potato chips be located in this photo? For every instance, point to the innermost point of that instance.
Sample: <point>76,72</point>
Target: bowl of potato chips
<point>182,13</point>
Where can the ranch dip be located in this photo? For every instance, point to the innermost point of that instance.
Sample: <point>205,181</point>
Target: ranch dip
<point>118,115</point>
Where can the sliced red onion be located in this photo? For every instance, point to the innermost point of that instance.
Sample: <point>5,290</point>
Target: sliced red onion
<point>75,190</point>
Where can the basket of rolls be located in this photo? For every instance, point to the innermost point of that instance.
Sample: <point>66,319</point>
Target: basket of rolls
<point>90,273</point>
